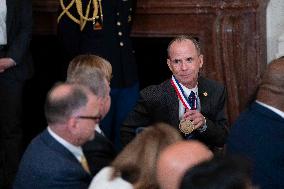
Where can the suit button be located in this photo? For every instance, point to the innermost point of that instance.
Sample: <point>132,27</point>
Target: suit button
<point>117,13</point>
<point>118,23</point>
<point>120,33</point>
<point>121,44</point>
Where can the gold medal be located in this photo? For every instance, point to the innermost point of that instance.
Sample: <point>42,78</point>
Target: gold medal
<point>186,126</point>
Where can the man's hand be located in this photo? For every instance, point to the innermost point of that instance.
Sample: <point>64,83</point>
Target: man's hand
<point>195,117</point>
<point>6,63</point>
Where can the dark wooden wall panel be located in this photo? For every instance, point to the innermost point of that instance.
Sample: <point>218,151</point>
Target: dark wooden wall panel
<point>231,32</point>
<point>45,15</point>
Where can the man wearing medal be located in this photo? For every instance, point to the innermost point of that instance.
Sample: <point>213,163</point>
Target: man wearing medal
<point>203,119</point>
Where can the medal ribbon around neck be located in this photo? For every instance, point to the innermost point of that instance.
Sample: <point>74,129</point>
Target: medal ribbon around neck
<point>180,93</point>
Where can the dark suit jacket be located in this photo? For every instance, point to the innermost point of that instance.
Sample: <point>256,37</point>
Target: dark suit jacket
<point>19,33</point>
<point>258,134</point>
<point>47,164</point>
<point>99,152</point>
<point>106,42</point>
<point>159,103</point>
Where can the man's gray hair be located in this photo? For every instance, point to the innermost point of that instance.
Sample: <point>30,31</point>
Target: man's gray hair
<point>181,38</point>
<point>92,78</point>
<point>59,106</point>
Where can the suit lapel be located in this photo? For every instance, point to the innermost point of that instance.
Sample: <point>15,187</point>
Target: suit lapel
<point>60,149</point>
<point>56,146</point>
<point>173,104</point>
<point>203,95</point>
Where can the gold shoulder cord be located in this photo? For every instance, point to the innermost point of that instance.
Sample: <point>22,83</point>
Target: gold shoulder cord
<point>83,18</point>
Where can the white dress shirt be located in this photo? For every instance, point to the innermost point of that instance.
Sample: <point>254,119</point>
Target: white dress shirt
<point>187,92</point>
<point>75,150</point>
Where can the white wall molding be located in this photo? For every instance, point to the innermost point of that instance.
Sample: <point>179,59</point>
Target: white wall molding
<point>275,29</point>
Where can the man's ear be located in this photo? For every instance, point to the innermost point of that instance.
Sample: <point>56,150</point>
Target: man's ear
<point>169,64</point>
<point>72,124</point>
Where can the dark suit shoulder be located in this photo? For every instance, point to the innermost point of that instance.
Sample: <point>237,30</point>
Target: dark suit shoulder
<point>156,91</point>
<point>210,83</point>
<point>216,90</point>
<point>46,154</point>
<point>99,152</point>
<point>47,164</point>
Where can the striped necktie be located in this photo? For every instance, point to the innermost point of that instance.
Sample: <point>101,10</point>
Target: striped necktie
<point>192,101</point>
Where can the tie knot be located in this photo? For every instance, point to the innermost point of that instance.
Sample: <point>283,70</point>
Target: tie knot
<point>191,95</point>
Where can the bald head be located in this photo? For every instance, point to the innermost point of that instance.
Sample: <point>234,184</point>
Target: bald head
<point>63,99</point>
<point>271,88</point>
<point>176,159</point>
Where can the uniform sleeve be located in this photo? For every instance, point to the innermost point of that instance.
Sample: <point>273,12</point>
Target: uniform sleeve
<point>139,117</point>
<point>22,26</point>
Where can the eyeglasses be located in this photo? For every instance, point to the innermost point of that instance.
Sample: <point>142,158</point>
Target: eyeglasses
<point>95,118</point>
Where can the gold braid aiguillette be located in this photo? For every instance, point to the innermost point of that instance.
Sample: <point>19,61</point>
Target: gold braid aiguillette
<point>96,18</point>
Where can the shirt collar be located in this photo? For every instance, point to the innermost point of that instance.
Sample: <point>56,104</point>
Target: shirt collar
<point>75,150</point>
<point>187,90</point>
